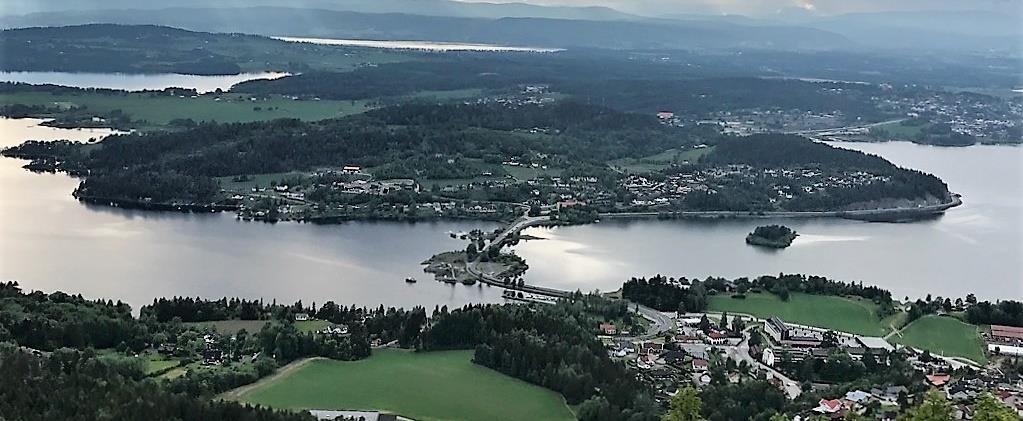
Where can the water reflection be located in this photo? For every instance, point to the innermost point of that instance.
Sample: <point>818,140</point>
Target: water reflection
<point>135,82</point>
<point>973,248</point>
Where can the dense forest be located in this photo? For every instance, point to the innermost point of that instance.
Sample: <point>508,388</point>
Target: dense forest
<point>634,86</point>
<point>549,345</point>
<point>667,294</point>
<point>462,141</point>
<point>553,346</point>
<point>78,385</point>
<point>161,49</point>
<point>788,151</point>
<point>684,295</point>
<point>1006,312</point>
<point>115,48</point>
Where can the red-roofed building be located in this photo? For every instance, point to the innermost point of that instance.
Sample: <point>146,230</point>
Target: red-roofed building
<point>699,365</point>
<point>938,380</point>
<point>828,406</point>
<point>608,329</point>
<point>1006,333</point>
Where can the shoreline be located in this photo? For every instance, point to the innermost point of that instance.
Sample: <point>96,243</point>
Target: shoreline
<point>870,215</point>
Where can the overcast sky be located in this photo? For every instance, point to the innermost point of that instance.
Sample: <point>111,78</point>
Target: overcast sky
<point>770,7</point>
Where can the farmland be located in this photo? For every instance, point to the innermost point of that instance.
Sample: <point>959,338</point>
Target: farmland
<point>424,386</point>
<point>943,335</point>
<point>843,314</point>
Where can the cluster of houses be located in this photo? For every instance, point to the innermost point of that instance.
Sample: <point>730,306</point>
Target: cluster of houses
<point>685,355</point>
<point>857,401</point>
<point>982,117</point>
<point>678,358</point>
<point>374,187</point>
<point>784,183</point>
<point>962,388</point>
<point>961,384</point>
<point>750,121</point>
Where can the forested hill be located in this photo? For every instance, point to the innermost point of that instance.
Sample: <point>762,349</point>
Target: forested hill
<point>617,82</point>
<point>396,134</point>
<point>161,49</point>
<point>807,160</point>
<point>466,141</point>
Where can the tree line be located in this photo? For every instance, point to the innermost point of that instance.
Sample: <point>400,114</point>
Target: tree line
<point>550,345</point>
<point>77,385</point>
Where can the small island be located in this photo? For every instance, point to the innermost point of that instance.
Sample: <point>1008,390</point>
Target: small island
<point>775,236</point>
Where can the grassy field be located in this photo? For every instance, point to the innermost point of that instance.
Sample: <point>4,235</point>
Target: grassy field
<point>661,160</point>
<point>943,336</point>
<point>257,180</point>
<point>156,363</point>
<point>159,110</point>
<point>425,386</point>
<point>899,131</point>
<point>838,313</point>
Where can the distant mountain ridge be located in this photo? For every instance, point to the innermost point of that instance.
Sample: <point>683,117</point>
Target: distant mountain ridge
<point>983,32</point>
<point>539,32</point>
<point>448,8</point>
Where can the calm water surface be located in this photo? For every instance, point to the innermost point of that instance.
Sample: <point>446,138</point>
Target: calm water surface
<point>135,82</point>
<point>418,45</point>
<point>977,247</point>
<point>49,241</point>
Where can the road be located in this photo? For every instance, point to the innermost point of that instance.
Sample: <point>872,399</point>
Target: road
<point>740,353</point>
<point>853,127</point>
<point>280,373</point>
<point>520,224</point>
<point>661,322</point>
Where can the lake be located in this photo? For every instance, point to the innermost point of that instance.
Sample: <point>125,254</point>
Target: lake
<point>419,45</point>
<point>977,247</point>
<point>135,82</point>
<point>49,241</point>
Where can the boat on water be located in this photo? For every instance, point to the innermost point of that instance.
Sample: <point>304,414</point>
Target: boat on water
<point>411,280</point>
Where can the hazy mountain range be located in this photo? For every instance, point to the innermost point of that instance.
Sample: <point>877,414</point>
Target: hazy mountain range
<point>546,26</point>
<point>412,7</point>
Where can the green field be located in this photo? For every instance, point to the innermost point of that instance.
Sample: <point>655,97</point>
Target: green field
<point>156,363</point>
<point>159,110</point>
<point>897,130</point>
<point>425,386</point>
<point>660,161</point>
<point>829,312</point>
<point>943,335</point>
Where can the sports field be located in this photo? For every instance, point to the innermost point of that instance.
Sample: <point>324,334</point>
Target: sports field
<point>943,335</point>
<point>829,312</point>
<point>426,386</point>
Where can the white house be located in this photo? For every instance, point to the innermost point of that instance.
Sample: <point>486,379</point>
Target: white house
<point>768,357</point>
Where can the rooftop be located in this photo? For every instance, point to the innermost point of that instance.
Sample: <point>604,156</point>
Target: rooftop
<point>1007,331</point>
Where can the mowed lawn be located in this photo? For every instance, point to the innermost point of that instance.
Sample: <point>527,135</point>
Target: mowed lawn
<point>943,335</point>
<point>442,385</point>
<point>829,312</point>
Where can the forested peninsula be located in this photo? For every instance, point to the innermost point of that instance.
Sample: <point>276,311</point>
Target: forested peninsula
<point>479,160</point>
